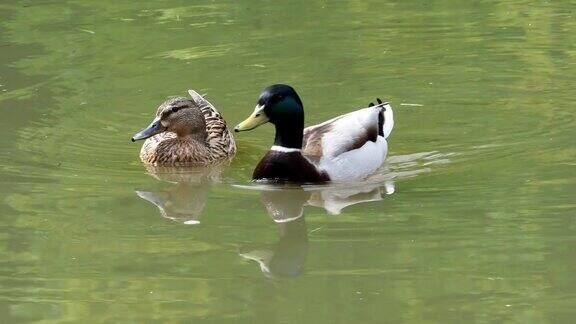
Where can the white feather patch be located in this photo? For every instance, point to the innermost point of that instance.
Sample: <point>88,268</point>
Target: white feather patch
<point>279,148</point>
<point>388,120</point>
<point>346,129</point>
<point>356,164</point>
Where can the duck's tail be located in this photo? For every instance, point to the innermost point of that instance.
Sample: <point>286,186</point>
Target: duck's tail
<point>385,118</point>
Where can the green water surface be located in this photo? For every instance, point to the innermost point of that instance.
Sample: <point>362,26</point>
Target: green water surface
<point>473,219</point>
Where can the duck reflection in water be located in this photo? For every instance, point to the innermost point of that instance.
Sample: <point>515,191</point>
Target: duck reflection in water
<point>185,200</point>
<point>286,258</point>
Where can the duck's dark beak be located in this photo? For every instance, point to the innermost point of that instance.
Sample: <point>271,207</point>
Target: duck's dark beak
<point>257,118</point>
<point>154,128</point>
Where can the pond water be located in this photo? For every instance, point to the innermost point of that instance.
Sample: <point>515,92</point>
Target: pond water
<point>473,219</point>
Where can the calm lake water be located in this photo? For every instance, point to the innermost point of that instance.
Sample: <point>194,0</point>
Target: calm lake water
<point>472,220</point>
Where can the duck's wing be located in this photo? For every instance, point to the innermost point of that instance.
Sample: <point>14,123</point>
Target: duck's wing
<point>219,138</point>
<point>348,132</point>
<point>350,146</point>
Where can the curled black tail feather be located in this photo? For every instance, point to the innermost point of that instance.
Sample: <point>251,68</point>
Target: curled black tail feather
<point>381,104</point>
<point>381,123</point>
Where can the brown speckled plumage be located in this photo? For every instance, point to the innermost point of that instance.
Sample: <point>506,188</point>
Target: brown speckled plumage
<point>196,134</point>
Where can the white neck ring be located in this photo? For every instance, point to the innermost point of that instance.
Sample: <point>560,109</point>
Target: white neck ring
<point>279,148</point>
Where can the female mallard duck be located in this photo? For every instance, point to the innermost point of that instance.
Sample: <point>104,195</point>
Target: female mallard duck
<point>346,148</point>
<point>186,132</point>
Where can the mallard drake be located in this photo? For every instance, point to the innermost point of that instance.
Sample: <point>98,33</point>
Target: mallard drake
<point>346,148</point>
<point>186,132</point>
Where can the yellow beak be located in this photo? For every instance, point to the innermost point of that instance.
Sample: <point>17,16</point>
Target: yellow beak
<point>257,118</point>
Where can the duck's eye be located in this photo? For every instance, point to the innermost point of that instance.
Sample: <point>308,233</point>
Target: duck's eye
<point>175,109</point>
